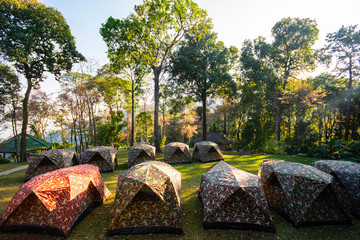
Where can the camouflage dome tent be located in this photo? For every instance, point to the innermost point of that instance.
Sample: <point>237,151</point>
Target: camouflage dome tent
<point>207,151</point>
<point>347,179</point>
<point>147,200</point>
<point>303,194</point>
<point>56,201</point>
<point>102,157</point>
<point>177,152</point>
<point>139,153</point>
<point>50,161</point>
<point>233,198</point>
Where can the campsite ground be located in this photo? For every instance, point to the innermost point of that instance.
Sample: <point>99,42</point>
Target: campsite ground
<point>94,225</point>
<point>8,166</point>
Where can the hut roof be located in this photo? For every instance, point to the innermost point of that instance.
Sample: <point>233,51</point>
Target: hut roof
<point>33,143</point>
<point>216,138</point>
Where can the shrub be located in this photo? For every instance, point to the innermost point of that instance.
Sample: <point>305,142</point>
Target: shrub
<point>273,147</point>
<point>163,140</point>
<point>337,149</point>
<point>3,160</point>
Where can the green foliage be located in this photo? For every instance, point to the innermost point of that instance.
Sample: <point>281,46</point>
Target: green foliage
<point>57,145</point>
<point>294,39</point>
<point>143,126</point>
<point>201,66</point>
<point>148,35</point>
<point>337,149</point>
<point>163,141</point>
<point>35,38</point>
<point>9,84</point>
<point>110,131</point>
<point>3,160</point>
<point>214,128</point>
<point>273,147</point>
<point>345,46</point>
<point>113,88</point>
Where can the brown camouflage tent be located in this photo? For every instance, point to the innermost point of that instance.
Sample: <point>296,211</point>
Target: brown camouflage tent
<point>207,151</point>
<point>102,157</point>
<point>177,152</point>
<point>147,200</point>
<point>50,161</point>
<point>233,198</point>
<point>56,201</point>
<point>139,153</point>
<point>303,194</point>
<point>347,179</point>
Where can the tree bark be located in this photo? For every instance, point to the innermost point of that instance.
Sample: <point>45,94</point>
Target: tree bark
<point>75,137</point>
<point>14,128</point>
<point>25,113</point>
<point>238,129</point>
<point>277,120</point>
<point>203,98</point>
<point>224,130</point>
<point>91,132</point>
<point>163,125</point>
<point>132,140</point>
<point>93,122</point>
<point>348,110</point>
<point>157,140</point>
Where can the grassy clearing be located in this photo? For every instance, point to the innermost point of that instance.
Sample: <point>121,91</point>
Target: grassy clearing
<point>94,225</point>
<point>8,166</point>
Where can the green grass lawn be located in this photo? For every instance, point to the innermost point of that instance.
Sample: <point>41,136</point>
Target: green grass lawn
<point>8,166</point>
<point>94,225</point>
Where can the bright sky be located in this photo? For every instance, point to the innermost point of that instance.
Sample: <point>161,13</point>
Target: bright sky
<point>234,20</point>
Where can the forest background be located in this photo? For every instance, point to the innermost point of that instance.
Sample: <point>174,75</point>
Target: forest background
<point>268,107</point>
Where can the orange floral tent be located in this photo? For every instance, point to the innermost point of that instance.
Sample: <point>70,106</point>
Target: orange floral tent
<point>55,201</point>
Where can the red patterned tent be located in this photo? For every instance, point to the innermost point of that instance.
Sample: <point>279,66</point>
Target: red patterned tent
<point>55,201</point>
<point>233,198</point>
<point>303,194</point>
<point>103,157</point>
<point>50,161</point>
<point>147,200</point>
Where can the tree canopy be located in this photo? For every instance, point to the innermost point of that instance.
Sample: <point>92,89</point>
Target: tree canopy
<point>201,68</point>
<point>36,39</point>
<point>153,30</point>
<point>344,45</point>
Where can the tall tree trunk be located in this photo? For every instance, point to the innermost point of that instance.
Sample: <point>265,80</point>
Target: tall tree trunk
<point>348,110</point>
<point>63,135</point>
<point>157,136</point>
<point>93,122</point>
<point>25,113</point>
<point>14,128</point>
<point>132,140</point>
<point>224,130</point>
<point>277,120</point>
<point>163,125</point>
<point>146,132</point>
<point>289,125</point>
<point>238,129</point>
<point>81,134</point>
<point>203,98</point>
<point>91,132</point>
<point>278,107</point>
<point>75,137</point>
